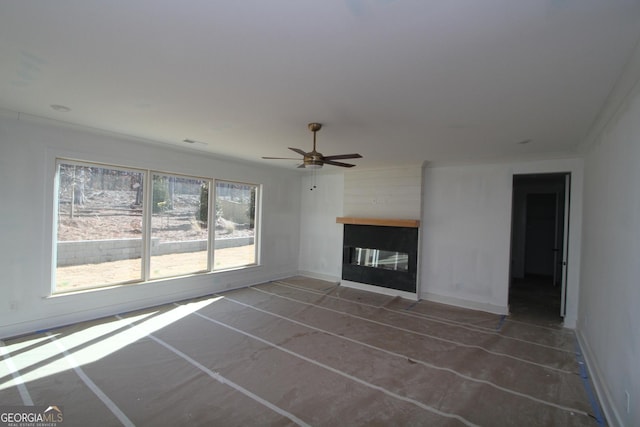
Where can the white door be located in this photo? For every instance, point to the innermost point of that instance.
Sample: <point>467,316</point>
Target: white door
<point>565,244</point>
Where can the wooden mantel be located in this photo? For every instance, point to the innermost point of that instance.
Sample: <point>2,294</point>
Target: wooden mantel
<point>414,223</point>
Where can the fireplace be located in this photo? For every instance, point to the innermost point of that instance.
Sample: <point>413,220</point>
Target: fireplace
<point>381,255</point>
<point>378,258</point>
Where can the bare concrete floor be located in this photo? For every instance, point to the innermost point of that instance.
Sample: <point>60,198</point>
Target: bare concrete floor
<point>300,352</point>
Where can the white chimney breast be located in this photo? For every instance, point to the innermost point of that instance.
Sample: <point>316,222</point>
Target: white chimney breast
<point>383,193</point>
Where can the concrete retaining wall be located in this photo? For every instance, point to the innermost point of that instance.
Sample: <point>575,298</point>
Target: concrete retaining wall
<point>82,252</point>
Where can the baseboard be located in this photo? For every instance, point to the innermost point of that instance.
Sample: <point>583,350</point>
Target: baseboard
<point>604,397</point>
<point>570,322</point>
<point>379,290</point>
<point>464,303</point>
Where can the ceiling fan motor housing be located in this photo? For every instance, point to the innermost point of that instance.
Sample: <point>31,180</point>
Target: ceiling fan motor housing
<point>313,160</point>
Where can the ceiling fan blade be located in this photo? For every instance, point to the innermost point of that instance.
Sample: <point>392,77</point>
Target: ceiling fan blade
<point>343,156</point>
<point>331,162</point>
<point>301,166</point>
<point>299,151</point>
<point>280,158</point>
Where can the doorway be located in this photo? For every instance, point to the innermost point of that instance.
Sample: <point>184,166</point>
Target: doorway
<point>539,227</point>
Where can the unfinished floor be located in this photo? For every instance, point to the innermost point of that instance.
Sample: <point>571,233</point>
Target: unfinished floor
<point>302,352</point>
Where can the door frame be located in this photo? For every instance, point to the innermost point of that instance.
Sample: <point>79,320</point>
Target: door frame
<point>575,166</point>
<point>564,180</point>
<point>565,244</point>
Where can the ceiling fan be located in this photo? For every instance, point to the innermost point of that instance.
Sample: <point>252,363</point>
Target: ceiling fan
<point>314,159</point>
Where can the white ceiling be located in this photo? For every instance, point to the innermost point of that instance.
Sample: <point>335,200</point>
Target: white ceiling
<point>399,81</point>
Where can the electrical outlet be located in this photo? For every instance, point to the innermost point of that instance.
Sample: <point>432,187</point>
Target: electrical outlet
<point>628,401</point>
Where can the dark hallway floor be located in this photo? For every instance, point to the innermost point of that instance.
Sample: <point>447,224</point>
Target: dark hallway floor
<point>534,299</point>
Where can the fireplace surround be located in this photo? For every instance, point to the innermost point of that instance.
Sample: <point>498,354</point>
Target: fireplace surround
<point>381,253</point>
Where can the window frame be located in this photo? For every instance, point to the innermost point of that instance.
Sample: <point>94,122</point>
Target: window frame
<point>257,216</point>
<point>56,216</point>
<point>147,214</point>
<point>149,224</point>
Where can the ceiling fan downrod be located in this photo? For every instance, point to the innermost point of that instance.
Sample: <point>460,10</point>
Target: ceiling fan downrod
<point>314,127</point>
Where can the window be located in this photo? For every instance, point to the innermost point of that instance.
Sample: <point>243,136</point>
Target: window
<point>99,226</point>
<point>179,235</point>
<point>235,225</point>
<point>118,225</point>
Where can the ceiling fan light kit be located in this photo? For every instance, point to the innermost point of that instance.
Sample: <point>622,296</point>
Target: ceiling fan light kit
<point>315,160</point>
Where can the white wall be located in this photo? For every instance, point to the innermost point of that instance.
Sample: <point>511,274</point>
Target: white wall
<point>466,232</point>
<point>609,321</point>
<point>28,149</point>
<point>321,236</point>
